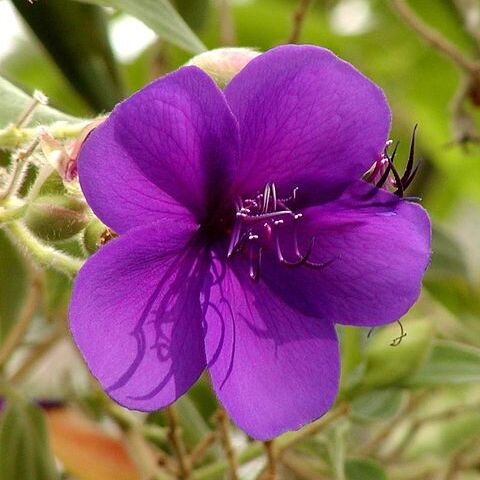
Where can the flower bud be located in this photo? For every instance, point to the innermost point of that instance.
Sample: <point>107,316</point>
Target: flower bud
<point>56,217</point>
<point>222,64</point>
<point>95,235</point>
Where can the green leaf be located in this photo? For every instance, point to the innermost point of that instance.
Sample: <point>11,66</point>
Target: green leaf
<point>161,17</point>
<point>390,365</point>
<point>83,55</point>
<point>14,101</point>
<point>447,277</point>
<point>24,448</point>
<point>363,469</point>
<point>448,363</point>
<point>378,404</point>
<point>13,284</point>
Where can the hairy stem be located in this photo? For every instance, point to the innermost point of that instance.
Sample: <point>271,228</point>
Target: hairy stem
<point>43,254</point>
<point>13,136</point>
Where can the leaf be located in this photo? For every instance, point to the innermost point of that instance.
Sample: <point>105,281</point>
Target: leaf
<point>13,284</point>
<point>447,277</point>
<point>14,101</point>
<point>448,363</point>
<point>390,365</point>
<point>161,17</point>
<point>83,55</point>
<point>363,469</point>
<point>378,404</point>
<point>24,447</point>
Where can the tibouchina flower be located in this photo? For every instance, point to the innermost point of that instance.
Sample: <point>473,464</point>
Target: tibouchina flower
<point>245,235</point>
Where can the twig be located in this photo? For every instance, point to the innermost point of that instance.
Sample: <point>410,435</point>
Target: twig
<point>223,426</point>
<point>434,38</point>
<point>174,435</point>
<point>300,468</point>
<point>297,20</point>
<point>227,27</point>
<point>201,448</point>
<point>256,449</point>
<point>143,455</point>
<point>271,470</point>
<point>292,438</point>
<point>35,355</point>
<point>20,328</point>
<point>469,10</point>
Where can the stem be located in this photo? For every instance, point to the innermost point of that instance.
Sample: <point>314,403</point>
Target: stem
<point>227,28</point>
<point>469,11</point>
<point>434,38</point>
<point>298,19</point>
<point>201,448</point>
<point>11,214</point>
<point>285,441</point>
<point>301,468</point>
<point>18,331</point>
<point>44,254</point>
<point>38,98</point>
<point>223,427</point>
<point>13,136</point>
<point>271,470</point>
<point>19,169</point>
<point>175,437</point>
<point>38,351</point>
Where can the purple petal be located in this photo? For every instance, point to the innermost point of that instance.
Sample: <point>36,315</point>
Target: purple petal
<point>272,368</point>
<point>135,315</point>
<point>306,117</point>
<point>375,248</point>
<point>170,149</point>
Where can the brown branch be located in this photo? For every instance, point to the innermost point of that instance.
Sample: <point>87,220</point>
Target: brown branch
<point>201,448</point>
<point>174,435</point>
<point>223,427</point>
<point>298,19</point>
<point>227,27</point>
<point>290,439</point>
<point>271,471</point>
<point>18,331</point>
<point>469,11</point>
<point>434,38</point>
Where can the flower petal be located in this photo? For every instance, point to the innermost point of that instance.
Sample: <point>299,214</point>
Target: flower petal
<point>306,117</point>
<point>272,368</point>
<point>375,248</point>
<point>168,149</point>
<point>135,315</point>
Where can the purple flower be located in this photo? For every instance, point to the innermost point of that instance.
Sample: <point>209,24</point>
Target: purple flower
<point>245,234</point>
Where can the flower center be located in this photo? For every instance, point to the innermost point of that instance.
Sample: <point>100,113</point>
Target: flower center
<point>259,224</point>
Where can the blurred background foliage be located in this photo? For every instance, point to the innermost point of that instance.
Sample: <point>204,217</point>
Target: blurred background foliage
<point>410,411</point>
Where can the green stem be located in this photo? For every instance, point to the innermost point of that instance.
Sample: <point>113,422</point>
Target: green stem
<point>44,254</point>
<point>10,214</point>
<point>12,136</point>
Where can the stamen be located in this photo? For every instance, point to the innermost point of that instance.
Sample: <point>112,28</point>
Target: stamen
<point>258,223</point>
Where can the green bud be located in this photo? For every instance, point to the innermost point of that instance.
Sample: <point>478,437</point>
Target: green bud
<point>222,64</point>
<point>95,235</point>
<point>56,217</point>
